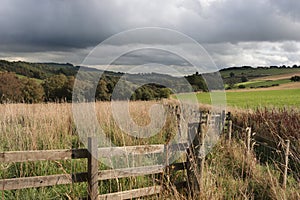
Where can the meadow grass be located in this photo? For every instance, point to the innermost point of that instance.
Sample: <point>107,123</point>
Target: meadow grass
<point>254,99</point>
<point>50,126</point>
<point>263,83</point>
<point>229,173</point>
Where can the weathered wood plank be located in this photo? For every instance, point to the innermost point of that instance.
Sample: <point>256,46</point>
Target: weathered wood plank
<point>61,179</point>
<point>93,168</point>
<point>65,154</point>
<point>24,156</point>
<point>117,151</point>
<point>41,181</point>
<point>106,152</point>
<point>130,194</point>
<point>127,172</point>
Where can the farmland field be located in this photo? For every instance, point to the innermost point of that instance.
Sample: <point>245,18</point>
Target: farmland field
<point>255,98</point>
<point>257,72</point>
<point>264,83</point>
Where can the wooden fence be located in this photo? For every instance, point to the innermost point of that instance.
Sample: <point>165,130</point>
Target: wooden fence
<point>193,164</point>
<point>93,175</point>
<point>254,141</point>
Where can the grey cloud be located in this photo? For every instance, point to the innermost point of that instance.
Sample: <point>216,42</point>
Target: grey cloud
<point>52,28</point>
<point>290,46</point>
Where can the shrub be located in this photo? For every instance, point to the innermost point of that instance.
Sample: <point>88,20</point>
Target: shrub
<point>295,78</point>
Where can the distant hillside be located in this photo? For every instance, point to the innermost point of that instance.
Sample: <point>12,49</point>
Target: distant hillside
<point>260,77</point>
<point>251,72</point>
<point>35,82</point>
<point>38,70</point>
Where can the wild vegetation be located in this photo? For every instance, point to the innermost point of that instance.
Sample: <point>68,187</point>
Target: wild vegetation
<point>229,173</point>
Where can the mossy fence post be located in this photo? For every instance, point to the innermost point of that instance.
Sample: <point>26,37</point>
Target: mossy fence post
<point>195,161</point>
<point>93,168</point>
<point>286,164</point>
<point>229,131</point>
<point>248,131</point>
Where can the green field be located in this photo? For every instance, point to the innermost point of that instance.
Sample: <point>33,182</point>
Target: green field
<point>263,83</point>
<point>254,99</point>
<point>257,72</point>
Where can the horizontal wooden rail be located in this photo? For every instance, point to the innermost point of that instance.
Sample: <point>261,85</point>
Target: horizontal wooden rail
<point>104,152</point>
<point>130,172</point>
<point>130,194</point>
<point>24,156</point>
<point>62,179</point>
<point>41,181</point>
<point>107,152</point>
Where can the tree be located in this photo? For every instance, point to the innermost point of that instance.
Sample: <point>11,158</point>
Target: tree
<point>10,88</point>
<point>55,88</point>
<point>231,82</point>
<point>244,79</point>
<point>295,78</point>
<point>164,93</point>
<point>102,92</point>
<point>32,92</point>
<point>68,88</point>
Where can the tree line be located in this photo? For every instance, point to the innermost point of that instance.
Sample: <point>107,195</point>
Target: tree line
<point>24,82</point>
<point>59,88</point>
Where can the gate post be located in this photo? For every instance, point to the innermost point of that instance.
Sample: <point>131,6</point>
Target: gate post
<point>93,168</point>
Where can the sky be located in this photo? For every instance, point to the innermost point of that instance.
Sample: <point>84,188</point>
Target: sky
<point>233,32</point>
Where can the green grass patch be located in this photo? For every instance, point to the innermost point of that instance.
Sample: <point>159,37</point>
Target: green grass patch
<point>258,72</point>
<point>254,99</point>
<point>266,83</point>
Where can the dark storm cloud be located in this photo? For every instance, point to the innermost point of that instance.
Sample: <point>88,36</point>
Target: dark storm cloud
<point>51,26</point>
<point>150,56</point>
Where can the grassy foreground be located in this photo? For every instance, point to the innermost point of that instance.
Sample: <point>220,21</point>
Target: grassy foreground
<point>228,172</point>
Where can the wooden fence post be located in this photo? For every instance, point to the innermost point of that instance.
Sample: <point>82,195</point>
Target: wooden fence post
<point>93,168</point>
<point>229,131</point>
<point>202,154</point>
<point>207,118</point>
<point>248,130</point>
<point>194,160</point>
<point>287,152</point>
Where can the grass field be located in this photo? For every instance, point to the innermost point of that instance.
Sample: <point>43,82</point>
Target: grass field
<point>254,99</point>
<point>263,83</point>
<point>256,72</point>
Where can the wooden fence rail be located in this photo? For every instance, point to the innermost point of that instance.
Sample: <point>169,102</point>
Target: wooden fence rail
<point>93,175</point>
<point>106,152</point>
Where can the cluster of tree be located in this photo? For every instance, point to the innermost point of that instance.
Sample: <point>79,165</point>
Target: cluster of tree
<point>53,82</point>
<point>295,78</point>
<point>233,79</point>
<point>14,89</point>
<point>197,82</point>
<point>38,70</point>
<point>59,88</point>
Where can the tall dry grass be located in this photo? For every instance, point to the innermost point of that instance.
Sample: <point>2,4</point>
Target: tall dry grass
<point>228,172</point>
<point>51,126</point>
